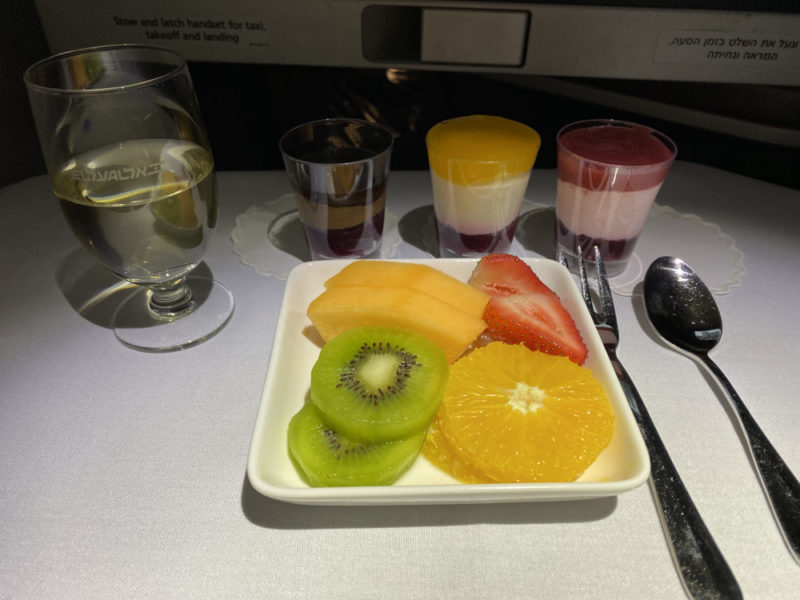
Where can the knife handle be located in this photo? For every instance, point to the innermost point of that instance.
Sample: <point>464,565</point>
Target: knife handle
<point>701,566</point>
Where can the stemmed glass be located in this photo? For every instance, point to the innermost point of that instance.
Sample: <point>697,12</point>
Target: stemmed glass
<point>130,162</point>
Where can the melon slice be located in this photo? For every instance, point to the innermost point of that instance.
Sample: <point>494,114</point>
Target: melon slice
<point>382,273</point>
<point>340,308</point>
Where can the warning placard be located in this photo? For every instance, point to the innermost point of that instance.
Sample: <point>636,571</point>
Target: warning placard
<point>727,47</point>
<point>208,30</point>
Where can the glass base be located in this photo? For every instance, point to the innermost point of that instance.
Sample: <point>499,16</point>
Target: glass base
<point>373,253</point>
<point>613,268</point>
<point>136,326</point>
<point>448,253</point>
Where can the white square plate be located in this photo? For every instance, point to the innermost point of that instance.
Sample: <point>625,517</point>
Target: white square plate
<point>622,466</point>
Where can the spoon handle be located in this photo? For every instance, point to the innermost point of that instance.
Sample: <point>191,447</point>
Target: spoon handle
<point>780,485</point>
<point>701,565</point>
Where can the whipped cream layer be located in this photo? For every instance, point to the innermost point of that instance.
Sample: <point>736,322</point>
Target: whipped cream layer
<point>606,214</point>
<point>478,209</point>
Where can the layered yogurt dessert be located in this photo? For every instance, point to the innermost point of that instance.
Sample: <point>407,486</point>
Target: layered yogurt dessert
<point>338,169</point>
<point>609,173</point>
<point>480,166</point>
<point>343,209</point>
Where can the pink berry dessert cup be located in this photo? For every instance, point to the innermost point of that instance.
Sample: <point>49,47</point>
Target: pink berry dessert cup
<point>609,173</point>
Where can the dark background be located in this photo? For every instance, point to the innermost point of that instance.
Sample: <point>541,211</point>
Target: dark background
<point>248,107</point>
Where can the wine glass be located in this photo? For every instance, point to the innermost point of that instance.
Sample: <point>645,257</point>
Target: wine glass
<point>130,162</point>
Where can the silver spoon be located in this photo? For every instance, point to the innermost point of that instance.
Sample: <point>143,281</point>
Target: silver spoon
<point>684,312</point>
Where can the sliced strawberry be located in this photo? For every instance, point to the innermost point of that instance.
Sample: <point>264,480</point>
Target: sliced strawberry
<point>523,310</point>
<point>504,275</point>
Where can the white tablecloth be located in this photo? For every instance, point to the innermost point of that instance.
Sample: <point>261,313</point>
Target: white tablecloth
<point>122,473</point>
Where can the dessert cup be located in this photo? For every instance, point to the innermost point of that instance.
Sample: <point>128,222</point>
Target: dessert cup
<point>338,169</point>
<point>609,173</point>
<point>480,166</point>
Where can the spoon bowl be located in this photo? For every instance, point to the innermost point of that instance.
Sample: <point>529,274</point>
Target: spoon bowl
<point>684,312</point>
<point>680,306</point>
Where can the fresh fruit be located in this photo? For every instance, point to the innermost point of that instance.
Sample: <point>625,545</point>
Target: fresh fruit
<point>441,453</point>
<point>523,310</point>
<point>341,308</point>
<point>327,458</point>
<point>407,275</point>
<point>511,414</point>
<point>374,384</point>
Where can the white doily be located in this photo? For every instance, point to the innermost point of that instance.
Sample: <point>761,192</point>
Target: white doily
<point>269,237</point>
<point>710,252</point>
<point>704,246</point>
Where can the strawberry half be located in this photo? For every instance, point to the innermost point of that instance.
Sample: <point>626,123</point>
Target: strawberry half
<point>523,310</point>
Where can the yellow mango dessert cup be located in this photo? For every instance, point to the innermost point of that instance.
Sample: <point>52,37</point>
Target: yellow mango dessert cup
<point>480,166</point>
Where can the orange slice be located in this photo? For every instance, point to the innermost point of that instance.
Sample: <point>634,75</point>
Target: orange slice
<point>510,414</point>
<point>438,450</point>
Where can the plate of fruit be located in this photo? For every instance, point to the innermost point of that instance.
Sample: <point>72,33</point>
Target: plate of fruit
<point>440,381</point>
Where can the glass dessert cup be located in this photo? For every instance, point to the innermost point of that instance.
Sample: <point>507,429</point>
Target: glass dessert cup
<point>130,162</point>
<point>480,218</point>
<point>480,166</point>
<point>339,169</point>
<point>609,174</point>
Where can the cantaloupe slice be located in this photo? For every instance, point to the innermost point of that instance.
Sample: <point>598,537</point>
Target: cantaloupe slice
<point>340,308</point>
<point>382,273</point>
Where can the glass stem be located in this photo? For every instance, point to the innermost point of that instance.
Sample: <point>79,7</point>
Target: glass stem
<point>172,299</point>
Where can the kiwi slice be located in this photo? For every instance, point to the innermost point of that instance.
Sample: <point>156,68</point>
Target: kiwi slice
<point>327,458</point>
<point>374,384</point>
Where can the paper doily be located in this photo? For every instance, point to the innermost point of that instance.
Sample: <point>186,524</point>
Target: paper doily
<point>269,237</point>
<point>704,246</point>
<point>710,252</point>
